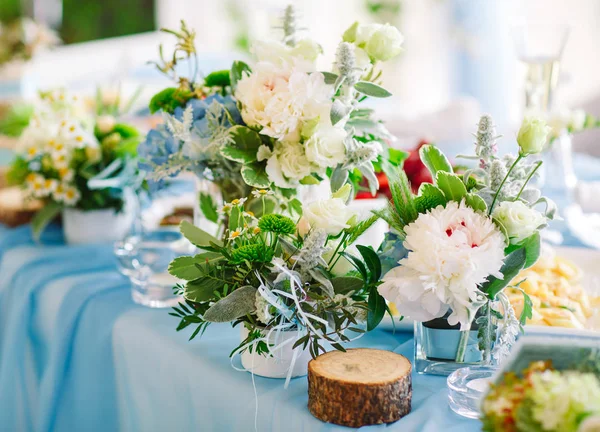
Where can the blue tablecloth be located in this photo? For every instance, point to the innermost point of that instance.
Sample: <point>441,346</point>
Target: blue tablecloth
<point>76,354</point>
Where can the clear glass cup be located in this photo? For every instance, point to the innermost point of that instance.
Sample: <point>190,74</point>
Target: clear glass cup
<point>145,258</point>
<point>539,47</point>
<point>466,388</point>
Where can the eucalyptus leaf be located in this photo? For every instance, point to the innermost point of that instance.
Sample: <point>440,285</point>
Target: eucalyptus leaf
<point>237,304</point>
<point>338,178</point>
<point>371,89</point>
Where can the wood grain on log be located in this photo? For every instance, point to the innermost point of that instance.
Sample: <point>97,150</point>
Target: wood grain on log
<point>359,387</point>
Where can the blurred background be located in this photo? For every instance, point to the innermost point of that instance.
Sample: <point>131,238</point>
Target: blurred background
<point>460,56</point>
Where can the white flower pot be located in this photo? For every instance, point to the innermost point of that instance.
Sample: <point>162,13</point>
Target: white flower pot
<point>278,365</point>
<point>96,226</point>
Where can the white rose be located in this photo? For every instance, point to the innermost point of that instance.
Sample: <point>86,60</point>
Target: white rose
<point>288,165</point>
<point>326,148</point>
<point>105,123</point>
<point>364,33</point>
<point>385,43</point>
<point>520,220</point>
<point>332,215</point>
<point>532,135</point>
<point>307,49</point>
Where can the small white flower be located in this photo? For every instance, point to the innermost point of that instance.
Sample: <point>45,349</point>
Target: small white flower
<point>235,234</point>
<point>35,184</point>
<point>71,195</point>
<point>226,208</point>
<point>520,220</point>
<point>259,193</point>
<point>238,201</point>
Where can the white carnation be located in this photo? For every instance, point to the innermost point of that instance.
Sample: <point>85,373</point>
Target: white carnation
<point>326,148</point>
<point>280,97</point>
<point>288,164</point>
<point>452,250</point>
<point>520,220</point>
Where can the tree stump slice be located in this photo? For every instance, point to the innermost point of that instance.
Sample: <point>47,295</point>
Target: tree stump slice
<point>15,210</point>
<point>359,387</point>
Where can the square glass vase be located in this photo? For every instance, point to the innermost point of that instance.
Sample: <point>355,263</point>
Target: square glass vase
<point>437,345</point>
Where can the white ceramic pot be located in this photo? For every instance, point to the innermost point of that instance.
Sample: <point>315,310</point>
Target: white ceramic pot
<point>97,226</point>
<point>279,364</point>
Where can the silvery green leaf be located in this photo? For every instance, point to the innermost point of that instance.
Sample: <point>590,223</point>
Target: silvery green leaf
<point>369,173</point>
<point>530,195</point>
<point>371,89</point>
<point>339,176</point>
<point>551,211</point>
<point>339,110</point>
<point>338,83</point>
<point>237,304</point>
<point>330,78</point>
<point>323,280</point>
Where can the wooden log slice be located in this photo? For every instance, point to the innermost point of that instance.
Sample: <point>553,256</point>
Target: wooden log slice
<point>359,387</point>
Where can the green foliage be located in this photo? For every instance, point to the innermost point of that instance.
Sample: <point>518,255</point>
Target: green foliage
<point>244,147</point>
<point>169,99</point>
<point>277,224</point>
<point>487,327</point>
<point>330,78</point>
<point>197,236</point>
<point>238,69</point>
<point>16,120</point>
<point>513,264</point>
<point>397,157</point>
<point>186,267</point>
<point>476,202</point>
<point>18,171</point>
<point>346,284</point>
<point>452,186</point>
<point>360,228</point>
<point>208,207</point>
<point>43,217</point>
<point>527,312</point>
<point>254,253</point>
<point>403,208</point>
<point>237,304</point>
<point>338,178</point>
<point>429,197</point>
<point>218,79</point>
<point>435,161</point>
<point>255,175</point>
<point>125,130</point>
<point>370,89</point>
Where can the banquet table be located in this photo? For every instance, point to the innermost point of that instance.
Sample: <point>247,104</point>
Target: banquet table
<point>77,354</point>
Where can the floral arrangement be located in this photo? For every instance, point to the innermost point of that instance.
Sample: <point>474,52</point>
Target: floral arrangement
<point>571,121</point>
<point>275,274</point>
<point>68,158</point>
<point>464,238</point>
<point>543,400</point>
<point>279,123</point>
<point>22,38</point>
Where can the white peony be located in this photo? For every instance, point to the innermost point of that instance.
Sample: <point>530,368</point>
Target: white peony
<point>385,43</point>
<point>331,215</point>
<point>280,98</point>
<point>520,220</point>
<point>325,148</point>
<point>452,250</point>
<point>288,164</point>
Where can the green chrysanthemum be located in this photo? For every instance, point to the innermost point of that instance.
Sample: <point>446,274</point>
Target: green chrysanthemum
<point>252,253</point>
<point>277,224</point>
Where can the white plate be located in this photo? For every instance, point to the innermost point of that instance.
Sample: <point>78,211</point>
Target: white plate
<point>587,259</point>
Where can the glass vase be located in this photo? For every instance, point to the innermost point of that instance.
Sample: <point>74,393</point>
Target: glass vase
<point>441,348</point>
<point>557,173</point>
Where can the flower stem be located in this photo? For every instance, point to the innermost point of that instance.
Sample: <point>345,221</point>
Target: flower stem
<point>462,345</point>
<point>504,181</point>
<point>337,249</point>
<point>539,164</point>
<point>487,349</point>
